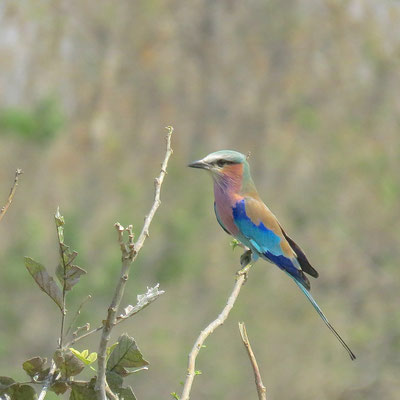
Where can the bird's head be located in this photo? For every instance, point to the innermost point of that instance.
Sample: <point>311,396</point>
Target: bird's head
<point>224,164</point>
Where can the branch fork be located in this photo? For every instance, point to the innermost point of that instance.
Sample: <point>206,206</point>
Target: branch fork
<point>191,370</point>
<point>129,250</point>
<point>261,389</point>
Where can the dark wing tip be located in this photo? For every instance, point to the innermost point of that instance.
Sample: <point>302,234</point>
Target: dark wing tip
<point>304,280</point>
<point>301,257</point>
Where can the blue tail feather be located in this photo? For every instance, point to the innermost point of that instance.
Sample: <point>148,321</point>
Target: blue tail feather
<point>311,299</point>
<point>323,317</point>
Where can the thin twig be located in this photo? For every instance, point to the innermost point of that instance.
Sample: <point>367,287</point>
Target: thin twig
<point>157,190</point>
<point>60,237</point>
<point>78,311</point>
<point>110,393</point>
<point>77,339</point>
<point>143,301</point>
<point>261,389</point>
<point>48,381</point>
<point>4,209</point>
<point>129,254</point>
<point>240,280</point>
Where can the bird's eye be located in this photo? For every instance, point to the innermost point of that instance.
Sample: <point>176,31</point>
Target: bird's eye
<point>221,163</point>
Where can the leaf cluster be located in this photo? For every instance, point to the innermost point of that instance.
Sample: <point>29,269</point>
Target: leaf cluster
<point>67,273</point>
<point>59,375</point>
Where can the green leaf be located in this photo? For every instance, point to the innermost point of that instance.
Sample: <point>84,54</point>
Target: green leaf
<point>175,395</point>
<point>16,391</point>
<point>44,281</point>
<point>125,355</point>
<point>68,363</point>
<point>72,275</point>
<point>60,222</point>
<point>114,380</point>
<point>65,270</point>
<point>110,349</point>
<point>85,356</point>
<point>234,243</point>
<point>68,254</point>
<point>126,394</point>
<point>92,357</point>
<point>5,383</point>
<point>82,391</point>
<point>22,392</point>
<point>59,388</point>
<point>34,367</point>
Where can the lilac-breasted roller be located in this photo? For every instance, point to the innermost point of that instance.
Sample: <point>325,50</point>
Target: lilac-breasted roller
<point>242,214</point>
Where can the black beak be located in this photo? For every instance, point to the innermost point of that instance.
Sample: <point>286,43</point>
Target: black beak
<point>199,164</point>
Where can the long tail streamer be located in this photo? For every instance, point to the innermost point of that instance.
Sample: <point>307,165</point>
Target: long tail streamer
<point>322,315</point>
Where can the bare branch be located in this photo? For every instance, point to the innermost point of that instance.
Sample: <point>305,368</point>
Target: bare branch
<point>78,311</point>
<point>157,183</point>
<point>143,300</point>
<point>4,209</point>
<point>110,393</point>
<point>240,280</point>
<point>83,336</point>
<point>261,389</point>
<point>129,251</point>
<point>60,236</point>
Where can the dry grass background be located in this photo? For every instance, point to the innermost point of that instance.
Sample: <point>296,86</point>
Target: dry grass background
<point>311,88</point>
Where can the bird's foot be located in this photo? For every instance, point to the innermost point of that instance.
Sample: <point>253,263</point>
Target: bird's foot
<point>245,258</point>
<point>244,271</point>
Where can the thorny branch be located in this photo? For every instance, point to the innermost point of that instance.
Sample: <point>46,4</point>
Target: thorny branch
<point>4,209</point>
<point>129,251</point>
<point>240,280</point>
<point>261,389</point>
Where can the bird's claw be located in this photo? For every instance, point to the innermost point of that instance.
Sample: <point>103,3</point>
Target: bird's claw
<point>244,271</point>
<point>245,262</point>
<point>245,258</point>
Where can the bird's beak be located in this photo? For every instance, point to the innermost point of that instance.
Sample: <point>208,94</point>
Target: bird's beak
<point>199,164</point>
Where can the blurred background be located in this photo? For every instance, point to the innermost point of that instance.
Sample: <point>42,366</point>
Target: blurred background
<point>311,88</point>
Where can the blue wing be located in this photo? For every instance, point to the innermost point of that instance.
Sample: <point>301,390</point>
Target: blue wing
<point>261,230</point>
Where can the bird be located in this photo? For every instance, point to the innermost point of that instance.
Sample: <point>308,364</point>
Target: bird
<point>242,214</point>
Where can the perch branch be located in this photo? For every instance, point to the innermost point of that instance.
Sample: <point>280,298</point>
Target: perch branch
<point>129,252</point>
<point>4,209</point>
<point>240,280</point>
<point>261,389</point>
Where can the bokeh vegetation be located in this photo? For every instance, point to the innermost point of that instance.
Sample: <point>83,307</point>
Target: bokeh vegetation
<point>311,88</point>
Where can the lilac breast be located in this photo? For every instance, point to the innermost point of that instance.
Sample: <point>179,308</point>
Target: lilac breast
<point>224,201</point>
